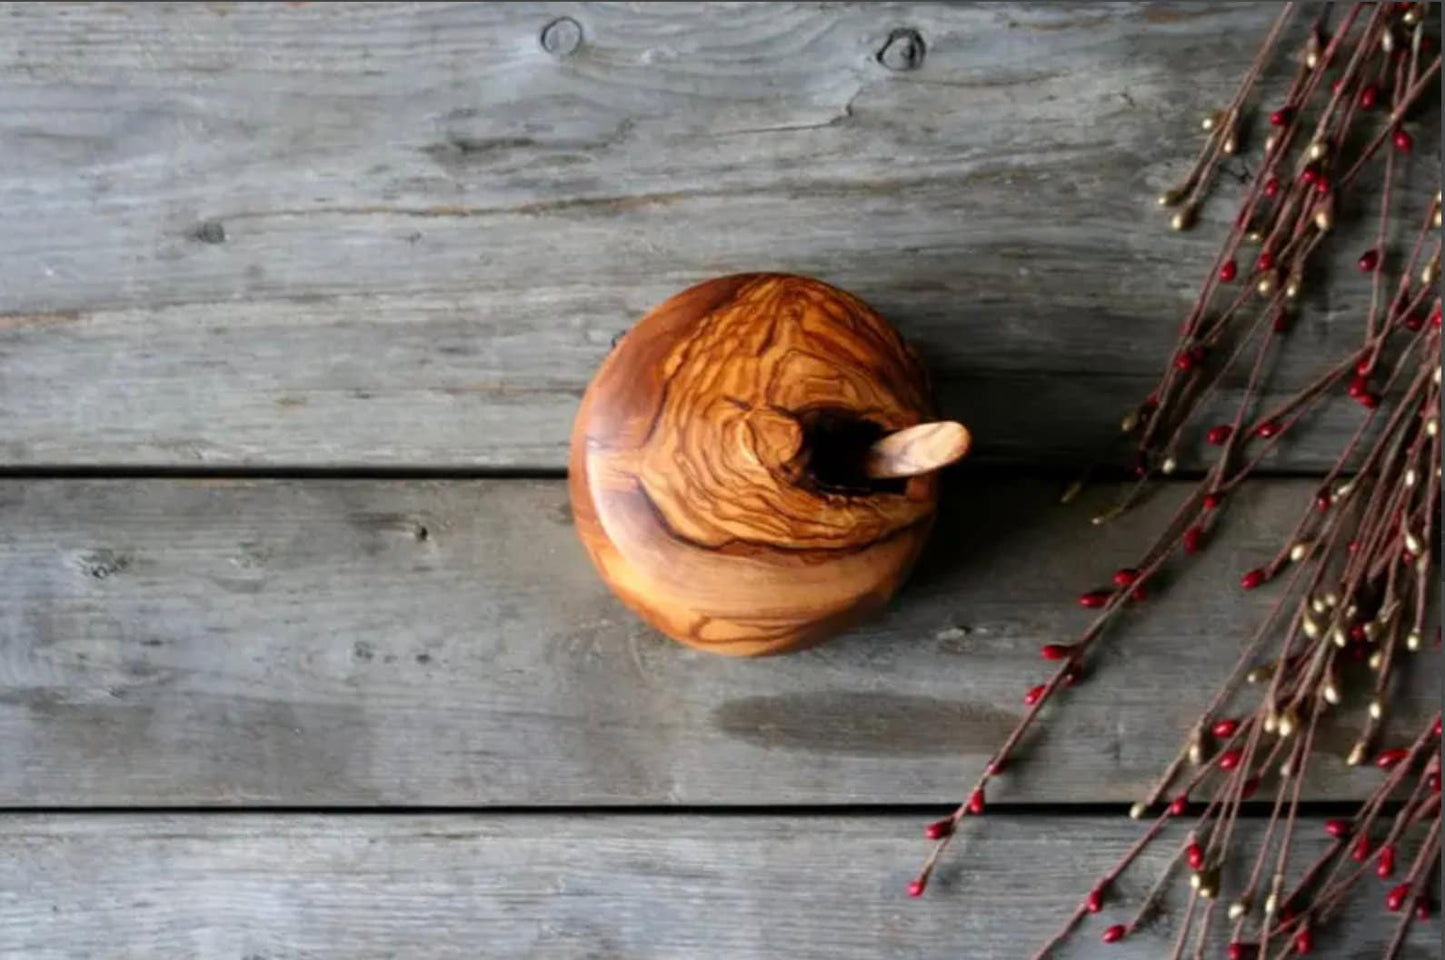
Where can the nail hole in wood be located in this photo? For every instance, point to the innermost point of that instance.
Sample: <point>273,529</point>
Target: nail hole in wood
<point>903,50</point>
<point>561,37</point>
<point>209,231</point>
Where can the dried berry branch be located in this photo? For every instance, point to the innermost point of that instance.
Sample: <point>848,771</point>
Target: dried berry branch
<point>1354,578</point>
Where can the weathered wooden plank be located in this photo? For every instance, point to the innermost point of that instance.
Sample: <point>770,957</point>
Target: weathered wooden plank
<point>335,234</point>
<point>356,642</point>
<point>286,887</point>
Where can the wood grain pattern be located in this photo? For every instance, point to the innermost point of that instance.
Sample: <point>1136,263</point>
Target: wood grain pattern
<point>717,470</point>
<point>399,234</point>
<point>448,887</point>
<point>358,642</point>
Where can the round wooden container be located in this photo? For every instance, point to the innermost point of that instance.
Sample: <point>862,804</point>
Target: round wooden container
<point>719,464</point>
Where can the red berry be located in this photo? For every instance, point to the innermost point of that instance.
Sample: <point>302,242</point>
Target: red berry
<point>1251,786</point>
<point>1193,537</point>
<point>1179,806</point>
<point>1395,899</point>
<point>1402,139</point>
<point>1309,175</point>
<point>1139,594</point>
<point>1365,365</point>
<point>915,887</point>
<point>1369,260</point>
<point>1229,759</point>
<point>1252,579</point>
<point>1218,434</point>
<point>1094,902</point>
<point>1034,695</point>
<point>975,802</point>
<point>1266,260</point>
<point>1094,599</point>
<point>1368,400</point>
<point>1224,729</point>
<point>1322,184</point>
<point>1280,117</point>
<point>1322,500</point>
<point>1385,865</point>
<point>938,829</point>
<point>1184,362</point>
<point>1271,186</point>
<point>1435,317</point>
<point>1114,934</point>
<point>1390,758</point>
<point>1361,852</point>
<point>1304,941</point>
<point>1422,909</point>
<point>1353,547</point>
<point>1071,675</point>
<point>1268,429</point>
<point>1433,782</point>
<point>1212,501</point>
<point>1436,729</point>
<point>1194,856</point>
<point>1228,270</point>
<point>1369,97</point>
<point>1125,576</point>
<point>1241,951</point>
<point>1414,322</point>
<point>1056,651</point>
<point>1359,386</point>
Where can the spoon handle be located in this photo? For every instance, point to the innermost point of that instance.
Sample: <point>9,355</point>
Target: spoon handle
<point>921,449</point>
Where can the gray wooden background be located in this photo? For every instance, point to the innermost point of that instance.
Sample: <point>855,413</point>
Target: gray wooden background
<point>299,657</point>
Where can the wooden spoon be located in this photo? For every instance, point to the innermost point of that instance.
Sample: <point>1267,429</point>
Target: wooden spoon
<point>921,449</point>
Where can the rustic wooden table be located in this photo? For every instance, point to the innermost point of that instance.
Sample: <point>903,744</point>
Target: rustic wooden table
<point>299,657</point>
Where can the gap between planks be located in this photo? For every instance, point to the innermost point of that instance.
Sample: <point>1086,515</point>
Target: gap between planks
<point>904,810</point>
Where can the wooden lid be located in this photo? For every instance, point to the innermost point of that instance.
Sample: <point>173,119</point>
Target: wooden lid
<point>720,463</point>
